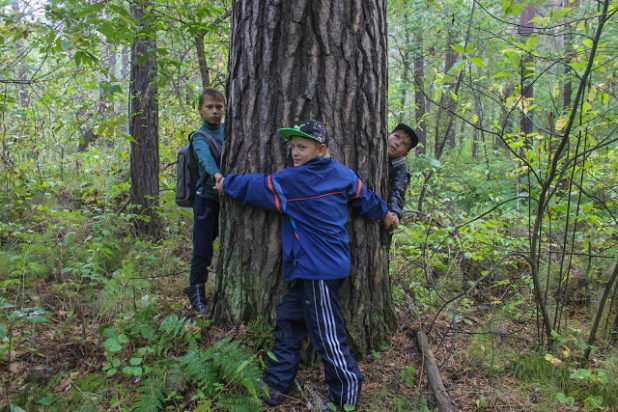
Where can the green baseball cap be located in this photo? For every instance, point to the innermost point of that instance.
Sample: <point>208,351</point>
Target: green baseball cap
<point>311,129</point>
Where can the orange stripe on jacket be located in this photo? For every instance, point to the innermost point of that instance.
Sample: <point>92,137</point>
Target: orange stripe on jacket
<point>360,186</point>
<point>272,189</point>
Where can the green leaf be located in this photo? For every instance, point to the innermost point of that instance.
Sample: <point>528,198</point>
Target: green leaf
<point>560,14</point>
<point>502,74</point>
<point>593,402</point>
<point>249,385</point>
<point>90,9</point>
<point>531,41</point>
<point>562,398</point>
<point>458,48</point>
<point>15,408</point>
<point>603,376</point>
<point>112,345</point>
<point>513,57</point>
<point>47,401</point>
<point>477,61</point>
<point>581,374</point>
<point>435,163</point>
<point>242,366</point>
<point>135,361</point>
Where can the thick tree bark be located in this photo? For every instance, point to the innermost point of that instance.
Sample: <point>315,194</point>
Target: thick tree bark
<point>291,61</point>
<point>144,122</point>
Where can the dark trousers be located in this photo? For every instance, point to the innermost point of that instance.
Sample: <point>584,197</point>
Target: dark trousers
<point>313,307</point>
<point>205,231</point>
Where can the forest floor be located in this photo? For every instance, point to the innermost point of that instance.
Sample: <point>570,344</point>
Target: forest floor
<point>54,347</point>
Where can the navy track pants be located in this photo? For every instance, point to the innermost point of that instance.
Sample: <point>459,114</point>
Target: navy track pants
<point>313,307</point>
<point>205,231</point>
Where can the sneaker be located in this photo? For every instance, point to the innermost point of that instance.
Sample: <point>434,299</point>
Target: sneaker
<point>269,395</point>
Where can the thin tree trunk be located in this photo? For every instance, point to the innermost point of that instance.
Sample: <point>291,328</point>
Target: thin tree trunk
<point>291,61</point>
<point>23,75</point>
<point>419,97</point>
<point>144,122</point>
<point>597,319</point>
<point>201,59</point>
<point>546,192</point>
<point>447,104</point>
<point>526,71</point>
<point>568,49</point>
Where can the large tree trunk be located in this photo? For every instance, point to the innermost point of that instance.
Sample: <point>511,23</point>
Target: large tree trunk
<point>290,61</point>
<point>144,122</point>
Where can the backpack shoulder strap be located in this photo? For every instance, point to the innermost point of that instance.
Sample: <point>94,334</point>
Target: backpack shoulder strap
<point>212,143</point>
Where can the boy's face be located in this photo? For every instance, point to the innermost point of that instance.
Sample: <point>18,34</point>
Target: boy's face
<point>212,110</point>
<point>304,149</point>
<point>398,144</point>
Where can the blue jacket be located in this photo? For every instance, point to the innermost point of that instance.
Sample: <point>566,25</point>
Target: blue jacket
<point>313,199</point>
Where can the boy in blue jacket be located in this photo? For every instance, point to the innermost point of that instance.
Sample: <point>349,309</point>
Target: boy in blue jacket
<point>313,198</point>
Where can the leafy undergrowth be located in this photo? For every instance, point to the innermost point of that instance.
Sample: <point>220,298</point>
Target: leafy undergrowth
<point>65,356</point>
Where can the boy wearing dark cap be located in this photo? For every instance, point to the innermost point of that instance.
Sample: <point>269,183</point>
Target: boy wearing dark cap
<point>401,140</point>
<point>313,198</point>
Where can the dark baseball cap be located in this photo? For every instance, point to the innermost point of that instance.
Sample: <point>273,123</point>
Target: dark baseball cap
<point>410,132</point>
<point>311,129</point>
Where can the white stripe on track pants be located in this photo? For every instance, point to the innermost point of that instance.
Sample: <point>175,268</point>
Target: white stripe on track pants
<point>313,307</point>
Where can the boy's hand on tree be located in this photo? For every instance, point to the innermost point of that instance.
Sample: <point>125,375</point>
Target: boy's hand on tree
<point>219,179</point>
<point>391,221</point>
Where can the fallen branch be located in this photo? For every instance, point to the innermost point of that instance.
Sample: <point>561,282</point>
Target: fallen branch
<point>433,373</point>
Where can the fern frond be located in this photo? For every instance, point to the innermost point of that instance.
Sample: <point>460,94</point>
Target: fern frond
<point>234,361</point>
<point>199,369</point>
<point>151,395</point>
<point>186,329</point>
<point>240,403</point>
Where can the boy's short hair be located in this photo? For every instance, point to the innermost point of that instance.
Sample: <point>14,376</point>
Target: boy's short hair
<point>213,94</point>
<point>311,129</point>
<point>410,132</point>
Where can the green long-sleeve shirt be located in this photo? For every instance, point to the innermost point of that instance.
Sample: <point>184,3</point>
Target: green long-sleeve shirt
<point>208,166</point>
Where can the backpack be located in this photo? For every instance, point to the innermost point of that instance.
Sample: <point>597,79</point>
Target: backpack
<point>188,169</point>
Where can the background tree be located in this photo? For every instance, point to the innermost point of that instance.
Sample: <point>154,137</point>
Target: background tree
<point>309,59</point>
<point>144,120</point>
